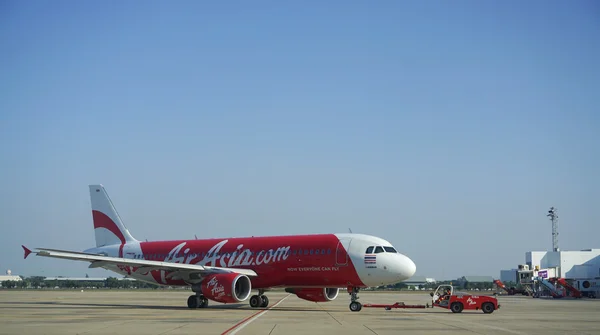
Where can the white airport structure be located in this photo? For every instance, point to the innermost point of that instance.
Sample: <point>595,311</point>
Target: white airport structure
<point>577,271</point>
<point>567,264</point>
<point>576,264</point>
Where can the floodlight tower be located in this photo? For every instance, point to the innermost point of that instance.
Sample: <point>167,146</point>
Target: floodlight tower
<point>554,218</point>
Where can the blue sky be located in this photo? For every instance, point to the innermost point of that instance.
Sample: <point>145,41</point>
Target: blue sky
<point>448,128</point>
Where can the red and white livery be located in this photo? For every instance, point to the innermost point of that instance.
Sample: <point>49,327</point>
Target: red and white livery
<point>226,270</point>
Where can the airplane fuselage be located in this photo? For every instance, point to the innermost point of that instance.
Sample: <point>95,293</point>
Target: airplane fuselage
<point>320,260</point>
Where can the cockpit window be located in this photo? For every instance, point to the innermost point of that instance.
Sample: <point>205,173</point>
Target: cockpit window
<point>390,249</point>
<point>369,250</point>
<point>378,250</point>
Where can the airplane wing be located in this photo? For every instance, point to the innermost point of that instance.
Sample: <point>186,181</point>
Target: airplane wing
<point>141,265</point>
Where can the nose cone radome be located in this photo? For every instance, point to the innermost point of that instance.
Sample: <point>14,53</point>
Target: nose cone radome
<point>406,266</point>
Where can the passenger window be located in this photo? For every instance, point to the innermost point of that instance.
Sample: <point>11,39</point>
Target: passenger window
<point>317,252</point>
<point>390,249</point>
<point>369,250</point>
<point>378,250</point>
<point>322,251</point>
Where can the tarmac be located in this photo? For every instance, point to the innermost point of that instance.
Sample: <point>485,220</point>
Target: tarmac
<point>165,312</point>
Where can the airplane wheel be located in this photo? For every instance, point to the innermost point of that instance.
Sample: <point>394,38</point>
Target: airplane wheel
<point>264,301</point>
<point>193,301</point>
<point>203,302</point>
<point>255,301</point>
<point>456,307</point>
<point>355,306</point>
<point>487,308</point>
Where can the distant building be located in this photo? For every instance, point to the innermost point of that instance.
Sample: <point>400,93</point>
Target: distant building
<point>9,276</point>
<point>463,281</point>
<point>508,275</point>
<point>418,280</point>
<point>83,279</point>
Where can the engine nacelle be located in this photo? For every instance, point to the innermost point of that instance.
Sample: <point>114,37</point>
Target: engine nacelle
<point>315,294</point>
<point>226,287</point>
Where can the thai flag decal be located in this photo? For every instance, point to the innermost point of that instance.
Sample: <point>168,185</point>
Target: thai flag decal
<point>370,259</point>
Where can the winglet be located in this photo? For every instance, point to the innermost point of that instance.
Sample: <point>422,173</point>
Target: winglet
<point>27,251</point>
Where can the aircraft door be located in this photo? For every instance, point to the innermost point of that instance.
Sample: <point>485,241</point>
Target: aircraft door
<point>341,252</point>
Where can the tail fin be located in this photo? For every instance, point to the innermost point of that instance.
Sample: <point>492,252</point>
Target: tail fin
<point>108,227</point>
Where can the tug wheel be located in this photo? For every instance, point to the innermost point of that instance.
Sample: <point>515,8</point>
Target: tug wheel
<point>456,307</point>
<point>487,307</point>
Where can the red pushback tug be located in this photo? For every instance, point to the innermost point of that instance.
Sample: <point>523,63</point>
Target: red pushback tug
<point>445,297</point>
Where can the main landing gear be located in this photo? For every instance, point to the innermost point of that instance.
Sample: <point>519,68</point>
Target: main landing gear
<point>259,300</point>
<point>355,306</point>
<point>197,300</point>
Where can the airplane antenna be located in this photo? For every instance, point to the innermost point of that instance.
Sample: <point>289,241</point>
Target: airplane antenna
<point>554,218</point>
<point>350,230</point>
<point>195,236</point>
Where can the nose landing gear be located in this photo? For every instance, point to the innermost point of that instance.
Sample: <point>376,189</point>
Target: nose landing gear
<point>355,306</point>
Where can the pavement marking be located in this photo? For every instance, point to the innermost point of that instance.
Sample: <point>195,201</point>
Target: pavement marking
<point>374,332</point>
<point>479,325</point>
<point>240,325</point>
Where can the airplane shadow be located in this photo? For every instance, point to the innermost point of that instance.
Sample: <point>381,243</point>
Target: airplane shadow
<point>225,307</point>
<point>228,307</point>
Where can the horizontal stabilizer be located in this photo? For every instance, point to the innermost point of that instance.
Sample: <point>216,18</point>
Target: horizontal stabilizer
<point>27,251</point>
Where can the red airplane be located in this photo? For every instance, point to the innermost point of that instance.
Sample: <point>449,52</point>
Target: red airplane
<point>226,270</point>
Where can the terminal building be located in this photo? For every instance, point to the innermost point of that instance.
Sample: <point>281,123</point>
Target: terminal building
<point>577,271</point>
<point>557,273</point>
<point>578,264</point>
<point>567,264</point>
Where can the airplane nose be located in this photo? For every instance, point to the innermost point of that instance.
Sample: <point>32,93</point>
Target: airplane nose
<point>407,267</point>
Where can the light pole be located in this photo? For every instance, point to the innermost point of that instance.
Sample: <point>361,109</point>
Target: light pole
<point>554,218</point>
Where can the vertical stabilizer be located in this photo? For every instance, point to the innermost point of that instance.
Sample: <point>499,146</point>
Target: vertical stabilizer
<point>108,227</point>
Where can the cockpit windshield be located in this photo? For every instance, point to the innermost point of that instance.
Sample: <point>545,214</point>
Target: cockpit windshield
<point>380,249</point>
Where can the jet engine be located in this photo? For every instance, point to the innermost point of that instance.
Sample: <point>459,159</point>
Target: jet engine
<point>226,287</point>
<point>315,294</point>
